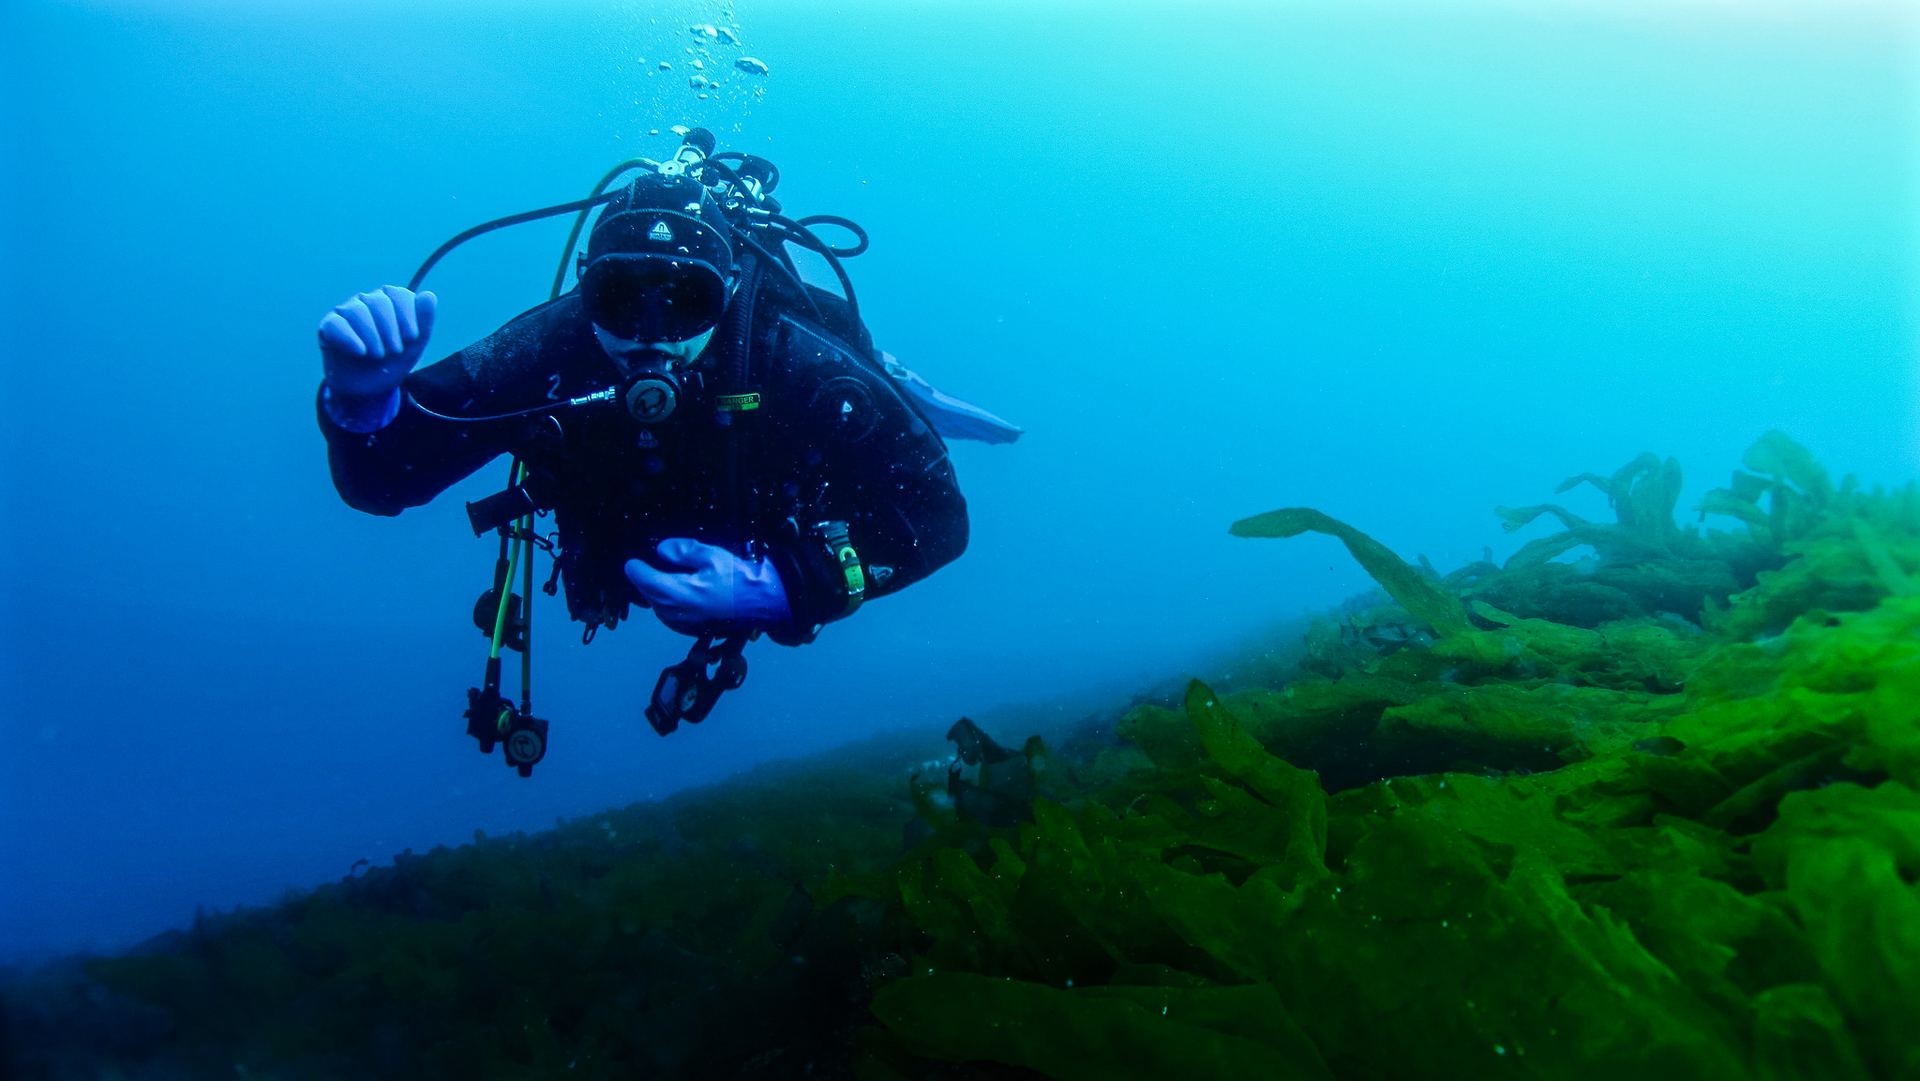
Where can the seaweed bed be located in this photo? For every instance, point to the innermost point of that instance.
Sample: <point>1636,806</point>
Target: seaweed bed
<point>1641,798</point>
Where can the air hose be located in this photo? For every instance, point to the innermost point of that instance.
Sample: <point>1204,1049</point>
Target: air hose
<point>522,550</point>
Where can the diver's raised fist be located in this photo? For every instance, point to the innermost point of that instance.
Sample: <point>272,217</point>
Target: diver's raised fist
<point>368,344</point>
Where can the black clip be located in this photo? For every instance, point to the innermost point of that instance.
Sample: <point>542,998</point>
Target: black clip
<point>493,719</point>
<point>687,691</point>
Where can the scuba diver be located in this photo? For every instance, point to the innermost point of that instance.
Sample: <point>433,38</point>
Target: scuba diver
<point>715,438</point>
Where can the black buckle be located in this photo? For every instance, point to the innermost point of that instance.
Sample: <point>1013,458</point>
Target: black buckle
<point>688,691</point>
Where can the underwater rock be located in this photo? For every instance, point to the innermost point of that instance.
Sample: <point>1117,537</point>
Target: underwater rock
<point>1000,793</point>
<point>974,745</point>
<point>791,923</point>
<point>1665,746</point>
<point>1007,803</point>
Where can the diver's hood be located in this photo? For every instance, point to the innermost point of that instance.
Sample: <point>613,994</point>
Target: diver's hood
<point>674,217</point>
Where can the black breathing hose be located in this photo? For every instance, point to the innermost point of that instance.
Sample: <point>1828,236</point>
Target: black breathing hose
<point>580,205</point>
<point>848,224</point>
<point>798,232</point>
<point>788,230</point>
<point>600,195</point>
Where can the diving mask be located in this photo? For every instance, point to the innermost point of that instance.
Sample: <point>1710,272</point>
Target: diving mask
<point>658,264</point>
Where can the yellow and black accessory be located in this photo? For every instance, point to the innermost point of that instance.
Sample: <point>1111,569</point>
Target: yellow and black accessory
<point>840,551</point>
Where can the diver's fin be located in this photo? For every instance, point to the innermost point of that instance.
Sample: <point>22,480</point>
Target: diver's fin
<point>951,417</point>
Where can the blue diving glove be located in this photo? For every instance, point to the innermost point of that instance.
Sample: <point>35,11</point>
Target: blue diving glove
<point>368,345</point>
<point>711,590</point>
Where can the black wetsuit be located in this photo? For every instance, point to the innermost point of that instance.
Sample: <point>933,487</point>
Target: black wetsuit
<point>831,439</point>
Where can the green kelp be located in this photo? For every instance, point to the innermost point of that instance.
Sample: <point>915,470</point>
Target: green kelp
<point>1643,800</point>
<point>629,944</point>
<point>1417,593</point>
<point>1634,843</point>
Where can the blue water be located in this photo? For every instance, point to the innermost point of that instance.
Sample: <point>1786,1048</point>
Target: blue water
<point>1401,262</point>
